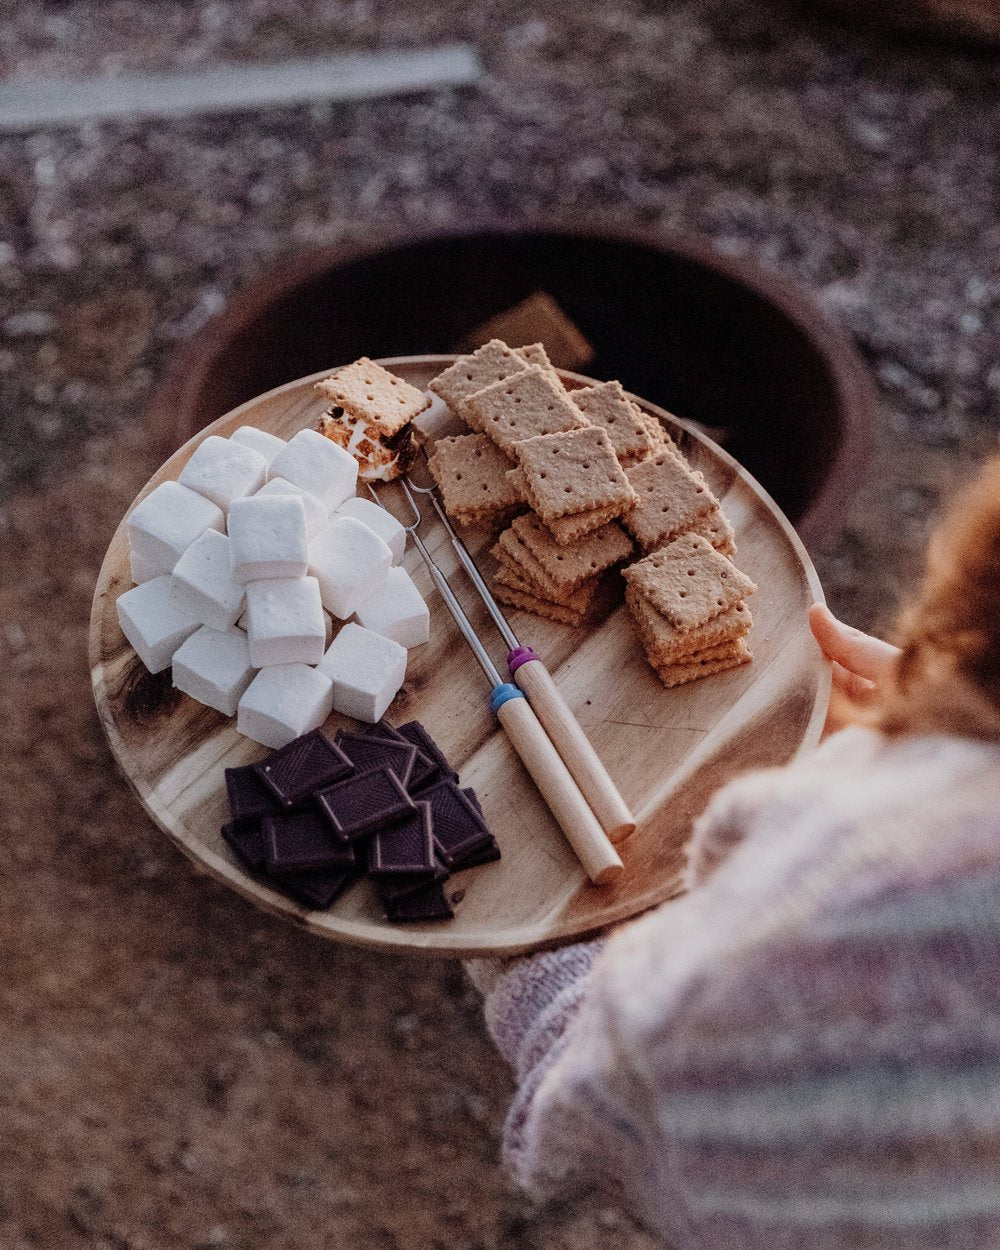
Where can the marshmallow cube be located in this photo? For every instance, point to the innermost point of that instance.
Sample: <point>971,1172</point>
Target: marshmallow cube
<point>285,621</point>
<point>319,466</point>
<point>144,570</point>
<point>316,515</point>
<point>202,585</point>
<point>283,702</point>
<point>267,538</point>
<point>153,623</point>
<point>367,671</point>
<point>397,611</point>
<point>379,521</point>
<point>349,562</point>
<point>164,525</point>
<point>267,444</point>
<point>223,471</point>
<point>214,667</point>
<point>327,627</point>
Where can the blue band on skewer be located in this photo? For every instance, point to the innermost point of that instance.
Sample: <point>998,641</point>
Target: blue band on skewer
<point>503,694</point>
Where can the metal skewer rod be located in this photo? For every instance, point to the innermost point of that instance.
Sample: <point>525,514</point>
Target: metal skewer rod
<point>598,856</point>
<point>528,671</point>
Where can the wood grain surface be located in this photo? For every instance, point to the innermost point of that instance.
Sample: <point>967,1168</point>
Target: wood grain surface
<point>668,750</point>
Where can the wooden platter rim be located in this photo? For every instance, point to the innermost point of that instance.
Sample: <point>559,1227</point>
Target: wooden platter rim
<point>429,940</point>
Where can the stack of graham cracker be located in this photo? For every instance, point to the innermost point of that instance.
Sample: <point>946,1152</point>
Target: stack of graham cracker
<point>566,471</point>
<point>688,604</point>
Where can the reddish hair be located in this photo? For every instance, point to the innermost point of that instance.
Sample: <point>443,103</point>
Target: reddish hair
<point>947,677</point>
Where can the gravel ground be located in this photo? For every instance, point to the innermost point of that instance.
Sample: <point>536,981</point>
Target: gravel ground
<point>175,1069</point>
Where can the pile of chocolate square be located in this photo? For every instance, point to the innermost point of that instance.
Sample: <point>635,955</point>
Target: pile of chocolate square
<point>316,815</point>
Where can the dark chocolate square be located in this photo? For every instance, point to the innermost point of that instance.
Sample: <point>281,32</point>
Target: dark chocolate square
<point>431,903</point>
<point>406,847</point>
<point>366,751</point>
<point>318,889</point>
<point>484,855</point>
<point>361,805</point>
<point>302,841</point>
<point>473,798</point>
<point>414,732</point>
<point>247,842</point>
<point>391,888</point>
<point>305,765</point>
<point>249,798</point>
<point>424,767</point>
<point>459,830</point>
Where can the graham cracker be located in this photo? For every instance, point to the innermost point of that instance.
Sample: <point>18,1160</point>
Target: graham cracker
<point>689,581</point>
<point>471,474</point>
<point>664,643</point>
<point>489,520</point>
<point>573,472</point>
<point>692,669</point>
<point>568,566</point>
<point>374,395</point>
<point>535,354</point>
<point>510,551</point>
<point>715,527</point>
<point>577,600</point>
<point>517,483</point>
<point>670,498</point>
<point>569,529</point>
<point>521,406</point>
<point>532,603</point>
<point>537,317</point>
<point>607,406</point>
<point>661,440</point>
<point>490,363</point>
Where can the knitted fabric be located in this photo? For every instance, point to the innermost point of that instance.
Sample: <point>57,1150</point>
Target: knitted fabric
<point>804,1050</point>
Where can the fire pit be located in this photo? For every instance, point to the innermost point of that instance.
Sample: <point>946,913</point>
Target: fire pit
<point>713,340</point>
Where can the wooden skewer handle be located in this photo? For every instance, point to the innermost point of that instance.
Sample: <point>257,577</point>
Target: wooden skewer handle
<point>599,858</point>
<point>572,743</point>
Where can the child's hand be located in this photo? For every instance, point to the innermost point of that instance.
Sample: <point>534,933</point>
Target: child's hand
<point>861,663</point>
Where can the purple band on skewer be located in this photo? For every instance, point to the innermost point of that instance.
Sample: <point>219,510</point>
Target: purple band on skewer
<point>519,656</point>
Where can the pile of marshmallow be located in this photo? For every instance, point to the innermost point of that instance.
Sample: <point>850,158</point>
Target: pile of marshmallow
<point>241,567</point>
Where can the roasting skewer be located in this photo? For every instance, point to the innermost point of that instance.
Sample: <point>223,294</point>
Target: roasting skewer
<point>562,727</point>
<point>554,780</point>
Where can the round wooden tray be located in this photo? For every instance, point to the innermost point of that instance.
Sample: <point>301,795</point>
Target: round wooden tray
<point>668,750</point>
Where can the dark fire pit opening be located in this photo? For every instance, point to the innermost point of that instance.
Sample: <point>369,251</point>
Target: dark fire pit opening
<point>710,339</point>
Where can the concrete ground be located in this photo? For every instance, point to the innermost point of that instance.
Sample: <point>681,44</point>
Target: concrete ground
<point>178,1070</point>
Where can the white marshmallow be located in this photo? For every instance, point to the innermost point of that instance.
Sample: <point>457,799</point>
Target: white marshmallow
<point>349,562</point>
<point>316,515</point>
<point>153,623</point>
<point>165,524</point>
<point>144,570</point>
<point>397,611</point>
<point>285,622</point>
<point>267,444</point>
<point>214,667</point>
<point>366,669</point>
<point>202,585</point>
<point>283,702</point>
<point>267,538</point>
<point>379,521</point>
<point>223,471</point>
<point>327,627</point>
<point>319,466</point>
